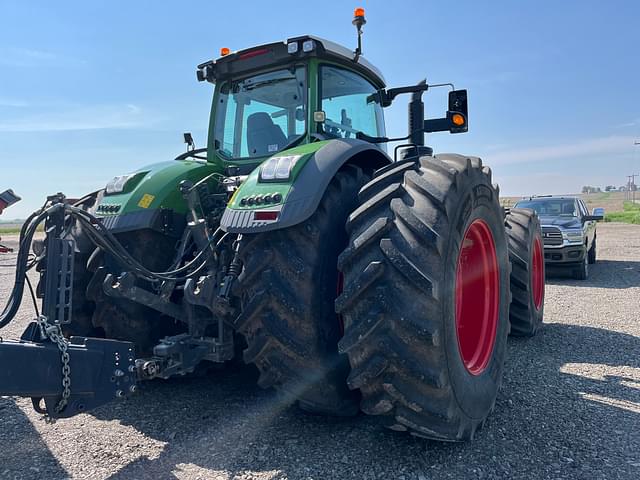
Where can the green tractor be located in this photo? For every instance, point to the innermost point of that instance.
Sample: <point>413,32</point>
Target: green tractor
<point>351,278</point>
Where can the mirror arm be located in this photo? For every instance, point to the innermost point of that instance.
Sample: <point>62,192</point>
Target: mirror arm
<point>437,125</point>
<point>386,97</point>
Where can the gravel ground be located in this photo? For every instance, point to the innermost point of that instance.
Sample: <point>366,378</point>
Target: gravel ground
<point>569,408</point>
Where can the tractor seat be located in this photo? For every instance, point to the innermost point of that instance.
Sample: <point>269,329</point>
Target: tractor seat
<point>263,136</point>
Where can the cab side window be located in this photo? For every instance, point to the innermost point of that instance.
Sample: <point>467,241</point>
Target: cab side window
<point>346,103</point>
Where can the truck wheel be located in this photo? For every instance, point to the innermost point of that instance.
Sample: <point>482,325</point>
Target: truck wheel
<point>582,272</point>
<point>526,254</point>
<point>426,297</point>
<point>123,319</point>
<point>592,253</point>
<point>81,307</point>
<point>289,285</point>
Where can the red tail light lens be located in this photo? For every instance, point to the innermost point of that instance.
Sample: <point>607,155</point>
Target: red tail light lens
<point>253,53</point>
<point>265,216</point>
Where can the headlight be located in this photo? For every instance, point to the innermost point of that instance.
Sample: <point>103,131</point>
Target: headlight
<point>117,184</point>
<point>278,168</point>
<point>573,236</point>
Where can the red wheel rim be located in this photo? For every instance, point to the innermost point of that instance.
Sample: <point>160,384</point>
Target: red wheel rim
<point>537,273</point>
<point>477,297</point>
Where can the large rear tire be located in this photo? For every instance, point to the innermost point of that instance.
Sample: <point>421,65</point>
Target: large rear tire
<point>426,297</point>
<point>526,254</point>
<point>289,285</point>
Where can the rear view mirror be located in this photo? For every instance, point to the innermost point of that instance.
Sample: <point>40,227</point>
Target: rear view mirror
<point>188,139</point>
<point>458,104</point>
<point>597,214</point>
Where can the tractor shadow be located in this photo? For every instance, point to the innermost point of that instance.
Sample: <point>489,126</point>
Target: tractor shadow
<point>570,392</point>
<point>616,274</point>
<point>24,453</point>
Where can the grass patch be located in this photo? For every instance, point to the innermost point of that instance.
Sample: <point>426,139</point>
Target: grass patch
<point>15,229</point>
<point>9,230</point>
<point>630,214</point>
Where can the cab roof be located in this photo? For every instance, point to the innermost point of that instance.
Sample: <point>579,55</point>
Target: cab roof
<point>245,62</point>
<point>550,197</point>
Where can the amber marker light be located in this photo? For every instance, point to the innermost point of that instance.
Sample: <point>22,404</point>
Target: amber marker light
<point>224,51</point>
<point>457,119</point>
<point>358,12</point>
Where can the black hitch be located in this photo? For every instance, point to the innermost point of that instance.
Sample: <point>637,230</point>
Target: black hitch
<point>100,371</point>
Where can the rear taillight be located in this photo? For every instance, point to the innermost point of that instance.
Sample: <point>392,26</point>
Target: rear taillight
<point>253,53</point>
<point>265,216</point>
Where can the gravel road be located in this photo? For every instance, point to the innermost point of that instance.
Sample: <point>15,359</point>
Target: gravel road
<point>569,408</point>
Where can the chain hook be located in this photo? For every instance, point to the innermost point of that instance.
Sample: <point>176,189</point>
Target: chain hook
<point>54,333</point>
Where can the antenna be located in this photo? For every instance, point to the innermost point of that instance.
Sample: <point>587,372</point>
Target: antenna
<point>358,21</point>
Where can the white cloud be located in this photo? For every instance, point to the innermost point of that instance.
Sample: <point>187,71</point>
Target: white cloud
<point>615,144</point>
<point>542,183</point>
<point>632,123</point>
<point>28,57</point>
<point>81,118</point>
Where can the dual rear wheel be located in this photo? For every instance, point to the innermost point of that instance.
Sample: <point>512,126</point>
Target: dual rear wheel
<point>424,302</point>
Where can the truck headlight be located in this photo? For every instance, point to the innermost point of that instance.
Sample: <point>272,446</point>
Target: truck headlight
<point>278,168</point>
<point>117,184</point>
<point>573,236</point>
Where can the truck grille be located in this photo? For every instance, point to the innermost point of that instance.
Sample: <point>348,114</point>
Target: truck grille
<point>551,236</point>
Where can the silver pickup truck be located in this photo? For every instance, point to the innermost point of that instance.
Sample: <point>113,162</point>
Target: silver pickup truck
<point>568,231</point>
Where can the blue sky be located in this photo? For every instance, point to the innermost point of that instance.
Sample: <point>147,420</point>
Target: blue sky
<point>89,90</point>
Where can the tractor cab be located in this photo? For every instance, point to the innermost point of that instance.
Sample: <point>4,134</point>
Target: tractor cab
<point>277,96</point>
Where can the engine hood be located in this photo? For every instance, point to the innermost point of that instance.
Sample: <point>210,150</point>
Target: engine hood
<point>562,222</point>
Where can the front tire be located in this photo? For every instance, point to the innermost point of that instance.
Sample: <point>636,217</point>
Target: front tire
<point>582,272</point>
<point>427,252</point>
<point>526,254</point>
<point>289,284</point>
<point>592,253</point>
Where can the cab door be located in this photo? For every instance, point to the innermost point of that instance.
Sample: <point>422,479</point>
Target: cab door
<point>588,226</point>
<point>349,104</point>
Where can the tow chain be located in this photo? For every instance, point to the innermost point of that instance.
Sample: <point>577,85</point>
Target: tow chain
<point>54,333</point>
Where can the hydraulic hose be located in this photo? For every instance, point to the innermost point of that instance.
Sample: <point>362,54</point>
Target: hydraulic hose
<point>102,238</point>
<point>26,236</point>
<point>107,241</point>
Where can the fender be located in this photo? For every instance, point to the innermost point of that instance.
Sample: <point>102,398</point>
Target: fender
<point>299,199</point>
<point>151,198</point>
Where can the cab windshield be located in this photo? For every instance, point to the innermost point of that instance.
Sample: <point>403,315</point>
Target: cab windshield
<point>261,115</point>
<point>552,207</point>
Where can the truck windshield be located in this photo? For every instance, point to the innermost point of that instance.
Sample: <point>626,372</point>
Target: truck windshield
<point>553,207</point>
<point>261,115</point>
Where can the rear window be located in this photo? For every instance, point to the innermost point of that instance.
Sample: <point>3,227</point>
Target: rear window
<point>551,207</point>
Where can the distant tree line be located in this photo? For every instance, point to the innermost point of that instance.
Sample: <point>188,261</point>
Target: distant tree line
<point>609,188</point>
